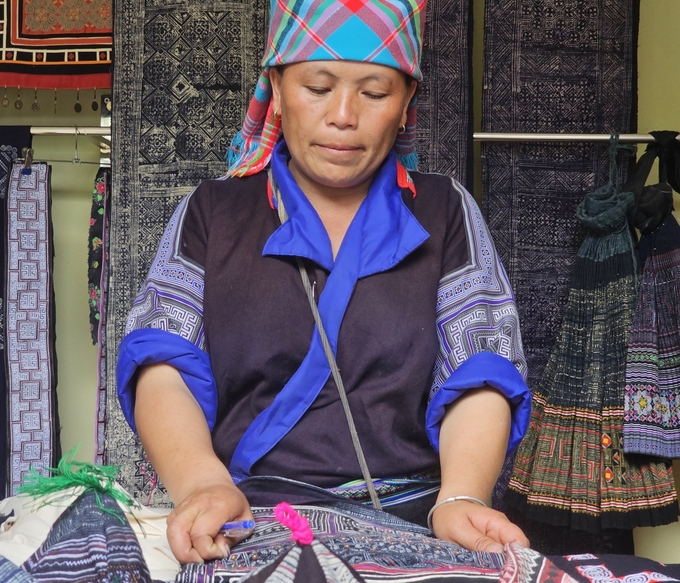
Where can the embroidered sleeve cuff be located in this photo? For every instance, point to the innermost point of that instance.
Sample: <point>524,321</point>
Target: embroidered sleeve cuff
<point>151,346</point>
<point>483,369</point>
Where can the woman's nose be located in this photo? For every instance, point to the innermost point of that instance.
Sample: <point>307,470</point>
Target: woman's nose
<point>343,110</point>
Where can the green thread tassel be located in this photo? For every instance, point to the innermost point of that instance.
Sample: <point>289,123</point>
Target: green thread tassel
<point>70,473</point>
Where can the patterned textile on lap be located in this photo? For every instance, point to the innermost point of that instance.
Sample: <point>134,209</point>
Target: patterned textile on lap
<point>32,412</point>
<point>87,544</point>
<point>570,469</point>
<point>377,546</point>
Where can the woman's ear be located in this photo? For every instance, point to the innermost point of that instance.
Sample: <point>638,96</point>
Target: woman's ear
<point>275,80</point>
<point>410,92</point>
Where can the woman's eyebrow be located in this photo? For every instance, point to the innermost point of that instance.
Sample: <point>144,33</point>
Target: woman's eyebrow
<point>371,77</point>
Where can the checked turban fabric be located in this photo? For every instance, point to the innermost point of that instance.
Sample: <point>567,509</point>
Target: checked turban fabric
<point>384,32</point>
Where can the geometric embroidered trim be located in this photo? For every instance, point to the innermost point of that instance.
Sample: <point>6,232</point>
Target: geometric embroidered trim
<point>476,308</point>
<point>30,368</point>
<point>171,298</point>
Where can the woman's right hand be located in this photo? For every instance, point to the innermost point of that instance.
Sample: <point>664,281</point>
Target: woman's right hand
<point>176,437</point>
<point>194,524</point>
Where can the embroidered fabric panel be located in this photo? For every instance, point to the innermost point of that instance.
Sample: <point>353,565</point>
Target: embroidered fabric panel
<point>63,44</point>
<point>171,298</point>
<point>652,400</point>
<point>475,306</point>
<point>377,545</point>
<point>30,326</point>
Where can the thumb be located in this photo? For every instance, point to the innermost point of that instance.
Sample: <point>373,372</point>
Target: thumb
<point>487,545</point>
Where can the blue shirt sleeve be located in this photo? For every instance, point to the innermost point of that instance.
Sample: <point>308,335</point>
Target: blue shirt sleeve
<point>484,369</point>
<point>151,346</point>
<point>478,331</point>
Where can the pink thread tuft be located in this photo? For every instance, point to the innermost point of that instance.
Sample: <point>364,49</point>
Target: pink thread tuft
<point>298,525</point>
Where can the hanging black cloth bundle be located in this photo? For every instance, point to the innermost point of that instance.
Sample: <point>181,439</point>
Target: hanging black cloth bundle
<point>570,469</point>
<point>652,401</point>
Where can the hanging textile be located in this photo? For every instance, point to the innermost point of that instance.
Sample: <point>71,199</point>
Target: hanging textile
<point>98,273</point>
<point>652,405</point>
<point>570,469</point>
<point>12,140</point>
<point>29,303</point>
<point>55,44</point>
<point>558,68</point>
<point>96,247</point>
<point>176,112</point>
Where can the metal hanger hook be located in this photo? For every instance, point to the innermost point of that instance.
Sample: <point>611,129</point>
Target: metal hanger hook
<point>76,158</point>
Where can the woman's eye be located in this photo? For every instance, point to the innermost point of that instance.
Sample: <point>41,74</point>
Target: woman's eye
<point>375,95</point>
<point>318,90</point>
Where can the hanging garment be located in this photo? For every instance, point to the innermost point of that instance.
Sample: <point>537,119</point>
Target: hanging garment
<point>29,302</point>
<point>97,246</point>
<point>12,140</point>
<point>98,274</point>
<point>570,469</point>
<point>652,404</point>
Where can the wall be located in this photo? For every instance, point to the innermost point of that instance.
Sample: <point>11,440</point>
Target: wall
<point>71,200</point>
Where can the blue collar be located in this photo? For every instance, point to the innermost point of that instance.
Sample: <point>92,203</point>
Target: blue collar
<point>386,229</point>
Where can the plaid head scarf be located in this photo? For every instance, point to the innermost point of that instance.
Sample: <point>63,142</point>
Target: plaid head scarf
<point>384,32</point>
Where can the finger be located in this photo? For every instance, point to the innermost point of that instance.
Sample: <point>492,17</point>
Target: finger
<point>511,533</point>
<point>468,535</point>
<point>205,546</point>
<point>179,539</point>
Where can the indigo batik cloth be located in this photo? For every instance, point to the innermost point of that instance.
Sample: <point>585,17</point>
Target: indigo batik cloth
<point>177,111</point>
<point>29,332</point>
<point>383,32</point>
<point>558,68</point>
<point>570,469</point>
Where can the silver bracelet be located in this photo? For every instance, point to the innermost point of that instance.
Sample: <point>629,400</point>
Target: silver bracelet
<point>446,501</point>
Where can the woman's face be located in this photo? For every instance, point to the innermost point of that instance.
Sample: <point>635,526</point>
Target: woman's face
<point>340,120</point>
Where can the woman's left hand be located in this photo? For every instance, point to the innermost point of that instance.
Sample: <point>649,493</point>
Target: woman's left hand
<point>475,527</point>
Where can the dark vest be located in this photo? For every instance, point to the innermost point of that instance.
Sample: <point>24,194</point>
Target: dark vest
<point>258,328</point>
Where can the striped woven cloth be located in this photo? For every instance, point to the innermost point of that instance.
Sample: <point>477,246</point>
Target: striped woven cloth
<point>384,32</point>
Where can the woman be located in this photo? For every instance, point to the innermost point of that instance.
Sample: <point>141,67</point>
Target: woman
<point>217,372</point>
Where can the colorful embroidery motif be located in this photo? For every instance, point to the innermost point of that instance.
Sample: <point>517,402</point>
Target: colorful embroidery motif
<point>59,44</point>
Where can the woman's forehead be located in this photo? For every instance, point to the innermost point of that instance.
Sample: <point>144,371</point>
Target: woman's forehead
<point>354,71</point>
